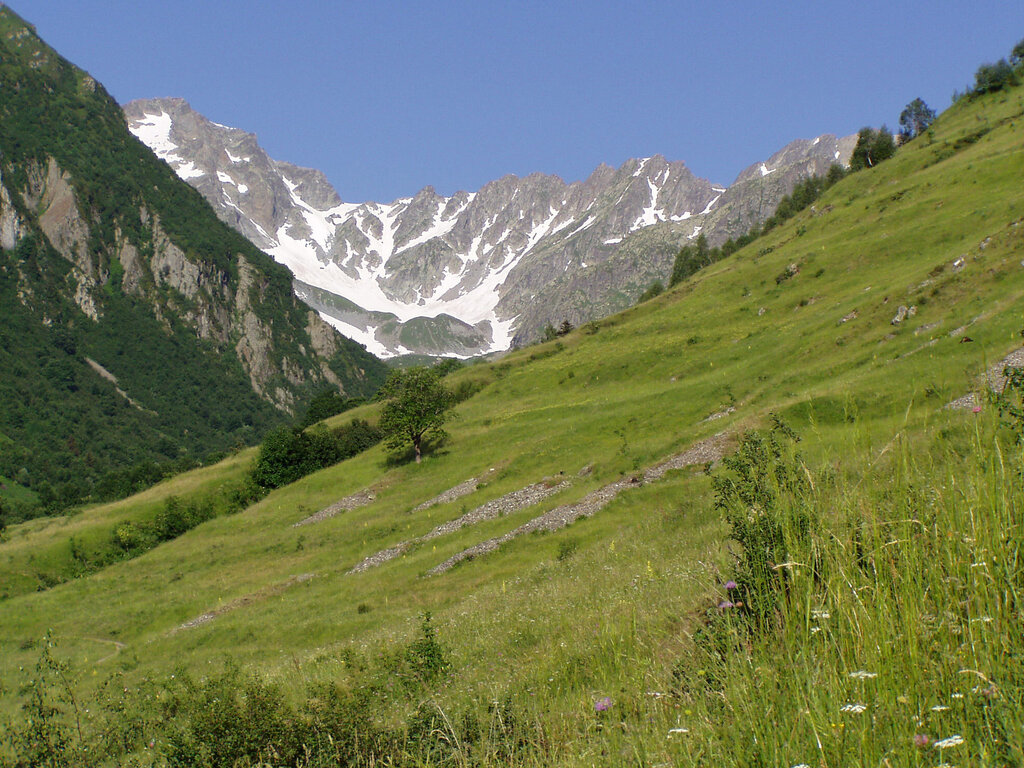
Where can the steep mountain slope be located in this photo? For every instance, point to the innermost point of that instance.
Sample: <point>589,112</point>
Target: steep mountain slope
<point>136,326</point>
<point>565,646</point>
<point>474,272</point>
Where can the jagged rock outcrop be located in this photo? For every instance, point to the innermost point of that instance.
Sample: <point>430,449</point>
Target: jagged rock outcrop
<point>474,272</point>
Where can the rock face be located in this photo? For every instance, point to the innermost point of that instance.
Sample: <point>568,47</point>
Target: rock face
<point>109,262</point>
<point>474,272</point>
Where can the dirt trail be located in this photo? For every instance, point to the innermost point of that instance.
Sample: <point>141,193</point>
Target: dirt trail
<point>118,647</point>
<point>274,589</point>
<point>510,502</point>
<point>559,517</point>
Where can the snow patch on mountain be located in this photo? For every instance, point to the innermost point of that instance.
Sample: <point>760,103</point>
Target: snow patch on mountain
<point>482,259</point>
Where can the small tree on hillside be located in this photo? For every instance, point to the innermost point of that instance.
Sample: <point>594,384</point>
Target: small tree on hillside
<point>915,119</point>
<point>872,148</point>
<point>994,77</point>
<point>1017,54</point>
<point>417,406</point>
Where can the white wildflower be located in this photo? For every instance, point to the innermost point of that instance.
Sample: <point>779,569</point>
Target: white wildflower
<point>863,674</point>
<point>939,708</point>
<point>802,765</point>
<point>854,709</point>
<point>815,630</point>
<point>949,741</point>
<point>957,696</point>
<point>984,619</point>
<point>820,613</point>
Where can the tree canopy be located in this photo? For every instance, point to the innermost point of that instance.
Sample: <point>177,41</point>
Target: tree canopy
<point>416,407</point>
<point>872,148</point>
<point>915,119</point>
<point>994,77</point>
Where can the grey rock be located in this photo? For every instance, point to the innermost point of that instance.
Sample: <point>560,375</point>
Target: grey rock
<point>471,273</point>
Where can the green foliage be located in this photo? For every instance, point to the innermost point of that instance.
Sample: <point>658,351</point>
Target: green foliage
<point>49,735</point>
<point>80,440</point>
<point>447,365</point>
<point>915,119</point>
<point>872,148</point>
<point>550,333</point>
<point>228,720</point>
<point>326,403</point>
<point>1017,54</point>
<point>764,499</point>
<point>425,657</point>
<point>804,193</point>
<point>416,407</point>
<point>1010,401</point>
<point>690,259</point>
<point>289,453</point>
<point>994,77</point>
<point>656,289</point>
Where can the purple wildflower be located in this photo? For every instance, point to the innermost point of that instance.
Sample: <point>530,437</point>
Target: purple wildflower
<point>976,409</point>
<point>726,604</point>
<point>730,584</point>
<point>602,704</point>
<point>922,740</point>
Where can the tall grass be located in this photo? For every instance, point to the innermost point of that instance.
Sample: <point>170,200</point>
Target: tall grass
<point>884,631</point>
<point>897,635</point>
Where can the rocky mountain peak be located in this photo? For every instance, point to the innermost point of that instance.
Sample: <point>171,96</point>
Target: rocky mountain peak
<point>472,272</point>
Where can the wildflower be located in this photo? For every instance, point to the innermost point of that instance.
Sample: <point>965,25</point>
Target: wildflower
<point>862,674</point>
<point>820,613</point>
<point>957,695</point>
<point>602,704</point>
<point>939,708</point>
<point>726,604</point>
<point>853,709</point>
<point>678,730</point>
<point>976,409</point>
<point>922,740</point>
<point>815,630</point>
<point>801,765</point>
<point>950,741</point>
<point>730,584</point>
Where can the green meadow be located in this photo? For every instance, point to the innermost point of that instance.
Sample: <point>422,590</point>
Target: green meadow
<point>893,632</point>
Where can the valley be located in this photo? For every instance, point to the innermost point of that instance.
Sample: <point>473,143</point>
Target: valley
<point>770,516</point>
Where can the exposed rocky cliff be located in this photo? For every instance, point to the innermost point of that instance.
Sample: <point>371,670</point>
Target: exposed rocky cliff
<point>474,272</point>
<point>107,256</point>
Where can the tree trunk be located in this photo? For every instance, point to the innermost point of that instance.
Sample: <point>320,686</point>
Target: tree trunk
<point>416,446</point>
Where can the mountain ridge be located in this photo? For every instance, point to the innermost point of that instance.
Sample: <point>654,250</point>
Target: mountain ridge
<point>484,270</point>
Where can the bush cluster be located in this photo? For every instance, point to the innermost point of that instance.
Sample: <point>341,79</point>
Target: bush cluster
<point>231,718</point>
<point>289,453</point>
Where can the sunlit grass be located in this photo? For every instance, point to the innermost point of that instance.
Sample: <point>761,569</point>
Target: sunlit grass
<point>910,498</point>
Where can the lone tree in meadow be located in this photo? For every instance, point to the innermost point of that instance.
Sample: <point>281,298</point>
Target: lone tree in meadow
<point>416,407</point>
<point>915,119</point>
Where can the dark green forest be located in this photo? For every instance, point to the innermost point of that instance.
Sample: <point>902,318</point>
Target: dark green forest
<point>66,434</point>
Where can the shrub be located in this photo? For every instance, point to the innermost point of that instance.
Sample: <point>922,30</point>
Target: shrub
<point>994,77</point>
<point>764,498</point>
<point>288,454</point>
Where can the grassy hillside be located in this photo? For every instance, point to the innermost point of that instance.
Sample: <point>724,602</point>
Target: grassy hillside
<point>602,643</point>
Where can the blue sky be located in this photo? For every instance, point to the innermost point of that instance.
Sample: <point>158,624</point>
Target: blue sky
<point>388,97</point>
